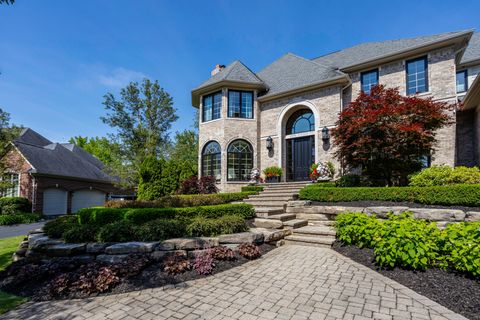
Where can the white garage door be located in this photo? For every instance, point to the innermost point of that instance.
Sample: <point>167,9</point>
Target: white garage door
<point>86,199</point>
<point>54,201</point>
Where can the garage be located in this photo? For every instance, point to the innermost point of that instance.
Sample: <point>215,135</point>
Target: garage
<point>55,201</point>
<point>87,198</point>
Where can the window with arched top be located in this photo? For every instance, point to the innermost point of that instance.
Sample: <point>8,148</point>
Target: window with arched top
<point>212,160</point>
<point>239,160</point>
<point>301,121</point>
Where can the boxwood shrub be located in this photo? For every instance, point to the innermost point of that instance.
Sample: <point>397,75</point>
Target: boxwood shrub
<point>55,228</point>
<point>13,205</point>
<point>445,175</point>
<point>201,226</point>
<point>464,195</point>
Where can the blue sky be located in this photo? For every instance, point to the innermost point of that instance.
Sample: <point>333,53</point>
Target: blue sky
<point>58,58</point>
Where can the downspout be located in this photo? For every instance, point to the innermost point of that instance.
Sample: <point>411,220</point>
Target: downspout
<point>34,192</point>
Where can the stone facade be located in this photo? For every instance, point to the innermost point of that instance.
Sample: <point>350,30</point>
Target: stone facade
<point>271,115</point>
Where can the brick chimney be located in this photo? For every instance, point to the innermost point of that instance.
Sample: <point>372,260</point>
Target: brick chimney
<point>218,68</point>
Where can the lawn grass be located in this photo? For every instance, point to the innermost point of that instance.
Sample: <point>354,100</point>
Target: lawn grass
<point>7,248</point>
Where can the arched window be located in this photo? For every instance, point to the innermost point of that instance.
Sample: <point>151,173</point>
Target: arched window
<point>301,121</point>
<point>211,160</point>
<point>239,160</point>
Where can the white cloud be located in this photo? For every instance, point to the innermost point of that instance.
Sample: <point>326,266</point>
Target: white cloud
<point>119,77</point>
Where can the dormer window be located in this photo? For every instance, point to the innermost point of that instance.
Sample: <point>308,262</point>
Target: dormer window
<point>212,106</point>
<point>240,104</point>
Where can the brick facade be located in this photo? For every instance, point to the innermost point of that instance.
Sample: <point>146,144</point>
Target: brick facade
<point>456,144</point>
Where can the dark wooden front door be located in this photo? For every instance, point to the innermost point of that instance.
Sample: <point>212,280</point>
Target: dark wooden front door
<point>300,156</point>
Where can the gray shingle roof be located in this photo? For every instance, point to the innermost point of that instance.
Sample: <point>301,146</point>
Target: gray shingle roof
<point>235,71</point>
<point>473,49</point>
<point>292,72</point>
<point>60,160</point>
<point>373,50</point>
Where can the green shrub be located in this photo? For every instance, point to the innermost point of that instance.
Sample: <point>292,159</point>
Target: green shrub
<point>201,226</point>
<point>445,175</point>
<point>460,245</point>
<point>14,205</point>
<point>252,189</point>
<point>140,216</point>
<point>325,184</point>
<point>121,231</point>
<point>55,228</point>
<point>80,233</point>
<point>17,218</point>
<point>463,195</point>
<point>349,180</point>
<point>273,171</point>
<point>161,229</point>
<point>100,216</point>
<point>406,242</point>
<point>357,229</point>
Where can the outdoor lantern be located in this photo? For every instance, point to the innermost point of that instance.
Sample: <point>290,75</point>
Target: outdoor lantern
<point>269,143</point>
<point>325,134</point>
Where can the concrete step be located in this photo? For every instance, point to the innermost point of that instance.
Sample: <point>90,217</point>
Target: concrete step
<point>274,195</point>
<point>314,231</point>
<point>286,188</point>
<point>267,223</point>
<point>282,217</point>
<point>276,198</point>
<point>295,223</point>
<point>324,242</point>
<point>321,223</point>
<point>264,212</point>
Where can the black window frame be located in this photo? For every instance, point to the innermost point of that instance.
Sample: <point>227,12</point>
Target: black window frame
<point>239,164</point>
<point>465,76</point>
<point>213,105</point>
<point>212,158</point>
<point>240,95</point>
<point>368,72</point>
<point>295,117</point>
<point>427,82</point>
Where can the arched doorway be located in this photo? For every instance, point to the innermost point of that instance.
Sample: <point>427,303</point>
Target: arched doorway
<point>300,145</point>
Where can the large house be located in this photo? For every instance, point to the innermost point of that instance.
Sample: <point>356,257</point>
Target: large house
<point>282,114</point>
<point>56,178</point>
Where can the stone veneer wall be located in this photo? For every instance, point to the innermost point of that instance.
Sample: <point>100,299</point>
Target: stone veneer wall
<point>466,153</point>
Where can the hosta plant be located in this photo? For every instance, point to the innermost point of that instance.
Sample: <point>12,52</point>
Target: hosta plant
<point>357,229</point>
<point>249,251</point>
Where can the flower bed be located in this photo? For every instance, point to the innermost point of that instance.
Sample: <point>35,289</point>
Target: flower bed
<point>461,195</point>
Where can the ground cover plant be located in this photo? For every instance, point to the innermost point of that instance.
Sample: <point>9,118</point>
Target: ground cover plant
<point>149,224</point>
<point>452,195</point>
<point>402,241</point>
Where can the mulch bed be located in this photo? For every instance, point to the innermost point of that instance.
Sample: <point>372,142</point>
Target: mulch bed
<point>455,291</point>
<point>152,276</point>
<point>392,204</point>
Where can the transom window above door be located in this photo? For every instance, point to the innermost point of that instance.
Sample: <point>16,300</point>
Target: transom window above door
<point>301,121</point>
<point>212,106</point>
<point>240,104</point>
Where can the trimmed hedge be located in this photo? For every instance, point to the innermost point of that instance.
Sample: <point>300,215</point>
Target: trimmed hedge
<point>17,218</point>
<point>55,228</point>
<point>445,175</point>
<point>463,195</point>
<point>14,205</point>
<point>252,188</point>
<point>101,216</point>
<point>183,200</point>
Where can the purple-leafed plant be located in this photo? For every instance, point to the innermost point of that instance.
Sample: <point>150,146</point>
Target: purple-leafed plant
<point>176,264</point>
<point>249,251</point>
<point>223,254</point>
<point>204,263</point>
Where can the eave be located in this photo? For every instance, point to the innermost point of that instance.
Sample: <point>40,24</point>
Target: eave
<point>472,98</point>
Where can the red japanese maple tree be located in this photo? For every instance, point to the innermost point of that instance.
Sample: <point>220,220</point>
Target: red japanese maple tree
<point>387,134</point>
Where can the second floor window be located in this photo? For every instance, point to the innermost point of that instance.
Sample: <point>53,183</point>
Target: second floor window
<point>212,106</point>
<point>462,84</point>
<point>240,104</point>
<point>369,79</point>
<point>417,76</point>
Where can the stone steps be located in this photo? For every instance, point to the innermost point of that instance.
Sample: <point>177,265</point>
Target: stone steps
<point>263,203</point>
<point>282,217</point>
<point>321,223</point>
<point>274,197</point>
<point>295,223</point>
<point>314,231</point>
<point>267,211</point>
<point>324,242</point>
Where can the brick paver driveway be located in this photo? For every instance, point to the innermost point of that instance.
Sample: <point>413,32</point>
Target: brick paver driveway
<point>291,282</point>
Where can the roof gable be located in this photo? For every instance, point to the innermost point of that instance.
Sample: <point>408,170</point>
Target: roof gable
<point>292,72</point>
<point>31,137</point>
<point>472,52</point>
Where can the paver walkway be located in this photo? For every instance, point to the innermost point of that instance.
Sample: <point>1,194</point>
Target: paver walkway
<point>291,282</point>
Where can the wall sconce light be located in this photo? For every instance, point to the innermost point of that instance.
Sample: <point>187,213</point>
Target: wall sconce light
<point>325,134</point>
<point>269,143</point>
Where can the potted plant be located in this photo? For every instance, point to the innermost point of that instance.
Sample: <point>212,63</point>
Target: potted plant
<point>322,171</point>
<point>272,174</point>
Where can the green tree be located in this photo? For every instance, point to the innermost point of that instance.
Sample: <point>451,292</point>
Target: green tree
<point>102,148</point>
<point>7,133</point>
<point>142,117</point>
<point>185,148</point>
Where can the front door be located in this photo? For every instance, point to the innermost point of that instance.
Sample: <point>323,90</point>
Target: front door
<point>300,156</point>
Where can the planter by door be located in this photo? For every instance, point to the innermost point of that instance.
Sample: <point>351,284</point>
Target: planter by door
<point>273,179</point>
<point>300,155</point>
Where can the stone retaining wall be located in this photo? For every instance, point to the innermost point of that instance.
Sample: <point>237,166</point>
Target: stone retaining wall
<point>39,246</point>
<point>312,211</point>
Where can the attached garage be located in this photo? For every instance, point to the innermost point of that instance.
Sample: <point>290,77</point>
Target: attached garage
<point>55,201</point>
<point>87,198</point>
